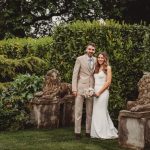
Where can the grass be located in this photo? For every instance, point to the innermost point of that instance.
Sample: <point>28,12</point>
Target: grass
<point>54,139</point>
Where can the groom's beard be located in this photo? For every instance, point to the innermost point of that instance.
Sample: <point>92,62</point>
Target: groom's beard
<point>90,54</point>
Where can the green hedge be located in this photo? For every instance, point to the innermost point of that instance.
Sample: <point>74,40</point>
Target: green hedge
<point>4,86</point>
<point>19,56</point>
<point>19,48</point>
<point>128,47</point>
<point>10,68</point>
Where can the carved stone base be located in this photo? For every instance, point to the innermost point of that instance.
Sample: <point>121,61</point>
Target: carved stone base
<point>53,114</point>
<point>46,114</point>
<point>67,112</point>
<point>134,130</point>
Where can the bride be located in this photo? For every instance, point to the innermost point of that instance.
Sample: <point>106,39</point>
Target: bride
<point>102,125</point>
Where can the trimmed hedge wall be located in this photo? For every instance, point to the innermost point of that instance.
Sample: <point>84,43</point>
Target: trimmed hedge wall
<point>128,47</point>
<point>19,56</point>
<point>19,48</point>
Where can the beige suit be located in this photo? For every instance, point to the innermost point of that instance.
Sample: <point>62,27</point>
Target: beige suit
<point>82,79</point>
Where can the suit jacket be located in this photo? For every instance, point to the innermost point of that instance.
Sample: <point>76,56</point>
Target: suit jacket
<point>82,74</point>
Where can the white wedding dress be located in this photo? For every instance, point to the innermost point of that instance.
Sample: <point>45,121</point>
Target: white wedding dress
<point>102,125</point>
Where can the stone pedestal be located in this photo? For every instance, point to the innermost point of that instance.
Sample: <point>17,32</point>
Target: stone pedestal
<point>46,114</point>
<point>53,114</point>
<point>134,130</point>
<point>67,112</point>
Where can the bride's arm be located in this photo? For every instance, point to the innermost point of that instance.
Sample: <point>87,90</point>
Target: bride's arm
<point>107,83</point>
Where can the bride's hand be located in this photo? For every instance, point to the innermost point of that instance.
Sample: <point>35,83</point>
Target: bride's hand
<point>97,94</point>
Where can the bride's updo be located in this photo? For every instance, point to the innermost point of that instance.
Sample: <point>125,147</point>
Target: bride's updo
<point>105,64</point>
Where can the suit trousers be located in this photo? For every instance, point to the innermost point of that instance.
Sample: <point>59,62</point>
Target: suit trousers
<point>78,113</point>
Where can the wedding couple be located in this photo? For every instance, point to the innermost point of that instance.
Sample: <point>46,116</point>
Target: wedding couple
<point>91,72</point>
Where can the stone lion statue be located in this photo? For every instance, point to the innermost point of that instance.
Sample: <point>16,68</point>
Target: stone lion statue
<point>53,88</point>
<point>143,101</point>
<point>54,105</point>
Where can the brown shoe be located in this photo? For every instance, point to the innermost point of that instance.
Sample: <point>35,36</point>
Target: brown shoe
<point>78,136</point>
<point>87,135</point>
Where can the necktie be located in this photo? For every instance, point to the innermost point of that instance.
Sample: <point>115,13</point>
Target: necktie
<point>90,63</point>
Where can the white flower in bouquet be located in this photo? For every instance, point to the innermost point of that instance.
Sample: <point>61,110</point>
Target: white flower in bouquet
<point>88,92</point>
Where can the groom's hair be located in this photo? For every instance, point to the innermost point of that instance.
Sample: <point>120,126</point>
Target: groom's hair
<point>92,44</point>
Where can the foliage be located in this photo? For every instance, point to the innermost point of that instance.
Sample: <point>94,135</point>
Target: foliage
<point>131,11</point>
<point>23,18</point>
<point>4,85</point>
<point>14,106</point>
<point>18,16</point>
<point>135,11</point>
<point>19,48</point>
<point>126,45</point>
<point>11,67</point>
<point>24,56</point>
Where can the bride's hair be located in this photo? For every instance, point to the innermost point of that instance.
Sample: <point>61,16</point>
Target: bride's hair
<point>105,64</point>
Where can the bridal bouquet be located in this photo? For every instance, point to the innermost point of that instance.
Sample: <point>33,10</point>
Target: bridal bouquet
<point>87,93</point>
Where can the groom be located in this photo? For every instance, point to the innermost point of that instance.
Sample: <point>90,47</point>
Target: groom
<point>83,79</point>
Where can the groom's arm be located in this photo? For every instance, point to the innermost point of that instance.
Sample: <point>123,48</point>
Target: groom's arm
<point>75,76</point>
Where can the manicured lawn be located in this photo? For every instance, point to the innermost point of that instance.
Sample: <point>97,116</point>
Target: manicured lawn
<point>54,139</point>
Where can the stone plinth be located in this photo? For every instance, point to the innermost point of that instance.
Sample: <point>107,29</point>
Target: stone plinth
<point>53,114</point>
<point>46,114</point>
<point>134,130</point>
<point>67,112</point>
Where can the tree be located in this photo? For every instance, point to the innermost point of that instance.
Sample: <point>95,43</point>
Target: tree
<point>23,18</point>
<point>18,16</point>
<point>131,11</point>
<point>137,11</point>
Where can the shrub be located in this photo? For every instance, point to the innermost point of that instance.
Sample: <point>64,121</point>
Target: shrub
<point>24,56</point>
<point>10,68</point>
<point>3,86</point>
<point>14,108</point>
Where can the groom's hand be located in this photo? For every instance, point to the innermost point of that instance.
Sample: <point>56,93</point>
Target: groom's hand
<point>74,93</point>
